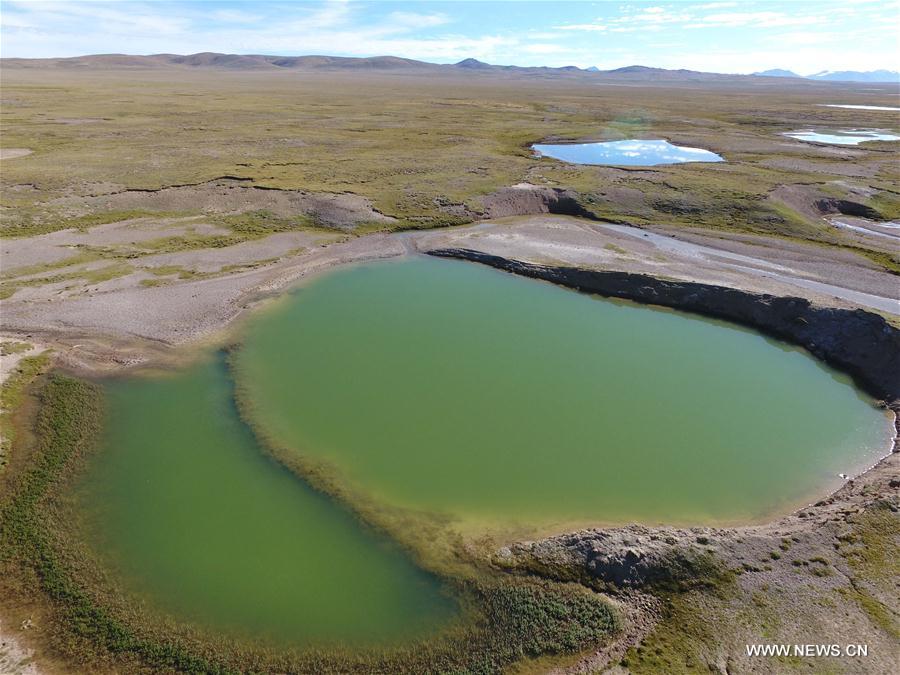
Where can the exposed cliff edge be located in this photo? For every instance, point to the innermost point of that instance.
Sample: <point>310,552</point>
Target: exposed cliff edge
<point>857,342</point>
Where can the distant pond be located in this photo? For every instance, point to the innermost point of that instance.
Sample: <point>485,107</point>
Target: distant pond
<point>626,153</point>
<point>849,137</point>
<point>859,107</point>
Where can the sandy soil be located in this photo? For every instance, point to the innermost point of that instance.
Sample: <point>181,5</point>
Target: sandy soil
<point>15,658</point>
<point>252,252</point>
<point>57,246</point>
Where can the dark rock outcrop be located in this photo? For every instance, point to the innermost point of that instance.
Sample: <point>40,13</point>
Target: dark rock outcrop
<point>531,200</point>
<point>845,207</point>
<point>857,342</point>
<point>628,557</point>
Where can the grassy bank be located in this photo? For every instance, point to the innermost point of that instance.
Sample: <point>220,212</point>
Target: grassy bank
<point>13,390</point>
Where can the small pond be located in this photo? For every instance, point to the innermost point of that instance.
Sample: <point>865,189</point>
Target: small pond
<point>859,107</point>
<point>849,137</point>
<point>626,153</point>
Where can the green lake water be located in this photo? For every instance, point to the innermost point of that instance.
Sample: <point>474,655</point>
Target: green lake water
<point>458,389</point>
<point>199,521</point>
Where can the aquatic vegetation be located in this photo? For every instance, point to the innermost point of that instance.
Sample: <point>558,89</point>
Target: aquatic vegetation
<point>12,391</point>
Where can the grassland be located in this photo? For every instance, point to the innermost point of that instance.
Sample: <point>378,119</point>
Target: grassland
<point>424,150</point>
<point>236,157</point>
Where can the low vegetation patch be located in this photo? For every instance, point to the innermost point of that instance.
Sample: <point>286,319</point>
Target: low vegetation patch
<point>9,347</point>
<point>35,225</point>
<point>677,645</point>
<point>85,276</point>
<point>13,389</point>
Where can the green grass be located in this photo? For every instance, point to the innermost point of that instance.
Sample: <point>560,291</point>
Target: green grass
<point>678,645</point>
<point>12,391</point>
<point>44,268</point>
<point>872,544</point>
<point>685,638</point>
<point>92,276</point>
<point>878,614</point>
<point>9,347</point>
<point>871,550</point>
<point>30,227</point>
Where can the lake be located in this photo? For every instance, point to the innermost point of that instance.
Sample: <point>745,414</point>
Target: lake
<point>625,153</point>
<point>461,390</point>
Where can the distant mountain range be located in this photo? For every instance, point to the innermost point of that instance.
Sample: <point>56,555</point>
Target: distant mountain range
<point>254,62</point>
<point>839,75</point>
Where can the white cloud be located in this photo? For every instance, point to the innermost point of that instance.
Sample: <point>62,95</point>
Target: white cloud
<point>755,19</point>
<point>49,29</point>
<point>406,20</point>
<point>715,5</point>
<point>595,27</point>
<point>235,16</point>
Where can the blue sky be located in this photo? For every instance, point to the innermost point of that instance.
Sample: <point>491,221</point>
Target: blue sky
<point>738,37</point>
